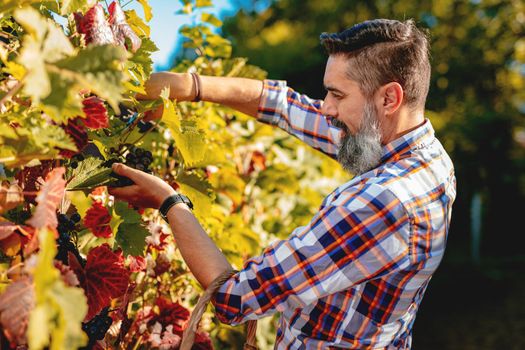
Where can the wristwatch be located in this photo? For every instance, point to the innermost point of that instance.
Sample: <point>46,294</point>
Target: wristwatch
<point>171,201</point>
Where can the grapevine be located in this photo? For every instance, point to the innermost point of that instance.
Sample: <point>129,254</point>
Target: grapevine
<point>97,272</point>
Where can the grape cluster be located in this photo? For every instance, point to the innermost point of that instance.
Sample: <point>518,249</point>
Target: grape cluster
<point>136,158</point>
<point>97,327</point>
<point>75,160</point>
<point>65,244</point>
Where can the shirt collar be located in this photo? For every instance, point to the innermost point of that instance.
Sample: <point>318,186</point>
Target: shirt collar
<point>418,138</point>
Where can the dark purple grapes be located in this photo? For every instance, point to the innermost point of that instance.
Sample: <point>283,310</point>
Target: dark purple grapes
<point>64,243</point>
<point>75,217</point>
<point>97,327</point>
<point>136,158</point>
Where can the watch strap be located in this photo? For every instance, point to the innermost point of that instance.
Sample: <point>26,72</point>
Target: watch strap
<point>171,201</point>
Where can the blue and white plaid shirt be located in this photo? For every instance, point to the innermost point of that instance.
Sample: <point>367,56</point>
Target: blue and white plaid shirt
<point>354,276</point>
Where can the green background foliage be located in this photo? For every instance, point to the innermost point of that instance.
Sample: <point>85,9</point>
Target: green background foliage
<point>477,105</point>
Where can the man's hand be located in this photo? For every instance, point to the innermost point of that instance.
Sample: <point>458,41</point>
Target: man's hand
<point>180,85</point>
<point>148,191</point>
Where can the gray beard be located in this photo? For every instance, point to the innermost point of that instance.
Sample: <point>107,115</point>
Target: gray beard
<point>361,152</point>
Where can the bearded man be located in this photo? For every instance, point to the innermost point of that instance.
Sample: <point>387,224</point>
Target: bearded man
<point>355,276</point>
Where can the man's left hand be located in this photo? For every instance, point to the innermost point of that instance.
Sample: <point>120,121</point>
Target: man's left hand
<point>148,191</point>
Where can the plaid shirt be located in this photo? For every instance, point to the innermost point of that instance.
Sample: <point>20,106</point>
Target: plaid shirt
<point>354,276</point>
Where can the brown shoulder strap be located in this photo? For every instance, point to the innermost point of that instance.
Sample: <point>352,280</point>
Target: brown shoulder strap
<point>188,337</point>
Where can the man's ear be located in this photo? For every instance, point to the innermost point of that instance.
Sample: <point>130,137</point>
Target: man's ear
<point>391,97</point>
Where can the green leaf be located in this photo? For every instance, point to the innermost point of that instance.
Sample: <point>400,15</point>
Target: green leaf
<point>52,136</point>
<point>219,47</point>
<point>56,320</point>
<point>191,142</point>
<point>142,58</point>
<point>211,19</point>
<point>203,3</point>
<point>89,174</point>
<point>170,117</point>
<point>63,102</point>
<point>137,24</point>
<point>131,235</point>
<point>199,191</point>
<point>97,68</point>
<point>132,238</point>
<point>68,7</point>
<point>147,10</point>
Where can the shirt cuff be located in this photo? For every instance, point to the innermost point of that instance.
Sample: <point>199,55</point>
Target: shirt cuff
<point>274,98</point>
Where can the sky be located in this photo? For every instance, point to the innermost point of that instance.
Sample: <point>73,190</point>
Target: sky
<point>166,23</point>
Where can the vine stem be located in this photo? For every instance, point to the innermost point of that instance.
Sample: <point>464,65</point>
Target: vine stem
<point>10,94</point>
<point>126,4</point>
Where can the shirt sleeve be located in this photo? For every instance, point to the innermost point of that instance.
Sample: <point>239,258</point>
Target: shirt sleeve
<point>360,236</point>
<point>298,115</point>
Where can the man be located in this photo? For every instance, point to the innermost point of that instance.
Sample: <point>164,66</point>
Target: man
<point>354,276</point>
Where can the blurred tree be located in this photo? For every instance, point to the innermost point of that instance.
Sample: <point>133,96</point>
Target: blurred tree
<point>477,95</point>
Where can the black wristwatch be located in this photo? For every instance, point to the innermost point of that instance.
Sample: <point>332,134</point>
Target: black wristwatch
<point>171,201</point>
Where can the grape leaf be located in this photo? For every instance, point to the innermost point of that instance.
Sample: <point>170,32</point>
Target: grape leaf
<point>104,277</point>
<point>131,235</point>
<point>52,136</point>
<point>198,190</point>
<point>48,199</point>
<point>15,304</point>
<point>121,28</point>
<point>77,131</point>
<point>45,42</point>
<point>7,228</point>
<point>55,322</point>
<point>191,143</point>
<point>189,139</point>
<point>137,24</point>
<point>132,238</point>
<point>69,6</point>
<point>95,112</point>
<point>141,60</point>
<point>97,219</point>
<point>169,114</point>
<point>97,68</point>
<point>10,197</point>
<point>211,19</point>
<point>148,14</point>
<point>203,3</point>
<point>89,174</point>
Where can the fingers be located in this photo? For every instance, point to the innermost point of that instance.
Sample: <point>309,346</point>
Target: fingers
<point>154,114</point>
<point>124,170</point>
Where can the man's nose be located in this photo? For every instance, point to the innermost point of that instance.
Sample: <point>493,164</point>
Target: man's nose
<point>328,109</point>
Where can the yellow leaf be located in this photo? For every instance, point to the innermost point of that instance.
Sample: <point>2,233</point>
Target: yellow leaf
<point>147,10</point>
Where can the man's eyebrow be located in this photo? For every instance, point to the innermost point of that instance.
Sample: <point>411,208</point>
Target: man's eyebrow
<point>333,89</point>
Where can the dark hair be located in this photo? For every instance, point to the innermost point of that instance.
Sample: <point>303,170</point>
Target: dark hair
<point>382,51</point>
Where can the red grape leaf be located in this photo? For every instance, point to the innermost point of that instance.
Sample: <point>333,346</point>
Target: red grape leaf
<point>121,28</point>
<point>170,314</point>
<point>97,219</point>
<point>29,178</point>
<point>10,196</point>
<point>137,263</point>
<point>94,26</point>
<point>48,199</point>
<point>78,133</point>
<point>104,277</point>
<point>15,305</point>
<point>7,228</point>
<point>96,113</point>
<point>68,275</point>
